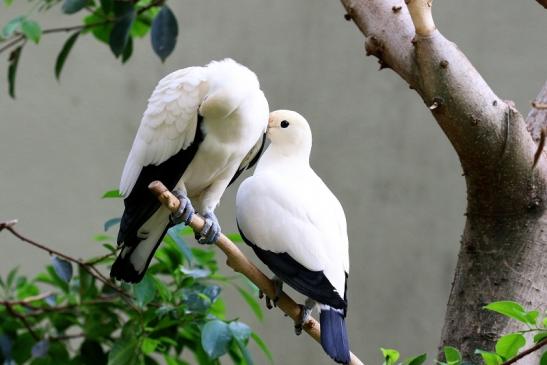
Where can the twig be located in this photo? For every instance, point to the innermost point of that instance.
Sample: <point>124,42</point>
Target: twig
<point>240,263</point>
<point>23,320</point>
<point>539,105</point>
<point>92,270</point>
<point>66,337</point>
<point>14,42</point>
<point>534,348</point>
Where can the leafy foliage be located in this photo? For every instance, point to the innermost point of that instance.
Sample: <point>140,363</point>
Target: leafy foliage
<point>507,347</point>
<point>175,313</point>
<point>113,22</point>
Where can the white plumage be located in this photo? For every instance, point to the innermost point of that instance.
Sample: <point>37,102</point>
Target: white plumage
<point>286,209</point>
<point>201,127</point>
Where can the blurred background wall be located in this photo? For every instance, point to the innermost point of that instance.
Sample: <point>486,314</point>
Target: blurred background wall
<point>375,144</point>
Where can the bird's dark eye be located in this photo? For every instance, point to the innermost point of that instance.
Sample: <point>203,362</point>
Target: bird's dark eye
<point>284,124</point>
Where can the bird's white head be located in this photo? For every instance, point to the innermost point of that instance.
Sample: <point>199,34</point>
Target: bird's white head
<point>290,131</point>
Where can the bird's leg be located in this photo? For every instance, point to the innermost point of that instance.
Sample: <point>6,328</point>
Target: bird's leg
<point>185,211</point>
<point>210,231</point>
<point>278,286</point>
<point>305,311</point>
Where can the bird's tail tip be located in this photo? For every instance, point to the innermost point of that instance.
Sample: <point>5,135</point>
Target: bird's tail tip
<point>123,270</point>
<point>334,335</point>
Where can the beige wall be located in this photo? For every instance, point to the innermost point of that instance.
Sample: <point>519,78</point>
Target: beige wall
<point>376,146</point>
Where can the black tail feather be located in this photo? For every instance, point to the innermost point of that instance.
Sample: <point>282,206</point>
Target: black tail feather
<point>334,336</point>
<point>123,269</point>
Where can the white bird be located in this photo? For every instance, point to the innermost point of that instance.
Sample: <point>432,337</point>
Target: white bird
<point>297,227</point>
<point>203,126</point>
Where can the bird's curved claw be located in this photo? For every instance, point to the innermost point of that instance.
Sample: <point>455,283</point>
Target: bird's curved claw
<point>185,211</point>
<point>211,230</point>
<point>278,285</point>
<point>305,311</point>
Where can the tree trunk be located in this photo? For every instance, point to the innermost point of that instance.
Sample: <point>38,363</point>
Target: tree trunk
<point>502,255</point>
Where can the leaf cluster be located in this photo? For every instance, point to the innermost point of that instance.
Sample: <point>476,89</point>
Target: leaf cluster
<point>507,347</point>
<point>115,23</point>
<point>69,315</point>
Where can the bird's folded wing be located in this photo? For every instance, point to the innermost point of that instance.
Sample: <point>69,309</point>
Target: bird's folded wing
<point>168,124</point>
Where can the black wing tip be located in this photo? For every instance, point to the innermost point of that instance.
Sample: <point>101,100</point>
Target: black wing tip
<point>123,270</point>
<point>334,335</point>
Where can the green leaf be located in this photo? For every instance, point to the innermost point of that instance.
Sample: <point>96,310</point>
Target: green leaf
<point>532,317</point>
<point>106,5</point>
<point>112,194</point>
<point>31,30</point>
<point>12,26</point>
<point>61,58</point>
<point>119,37</point>
<point>40,349</point>
<point>62,267</point>
<point>452,355</point>
<point>240,330</point>
<point>244,351</point>
<point>540,336</point>
<point>12,69</point>
<point>102,31</point>
<point>508,346</point>
<point>510,309</point>
<point>128,51</point>
<point>164,33</point>
<point>215,337</point>
<point>252,302</point>
<point>149,345</point>
<point>262,345</point>
<point>145,291</point>
<point>163,291</point>
<point>175,233</point>
<point>543,360</point>
<point>8,2</point>
<point>390,356</point>
<point>123,351</point>
<point>21,350</point>
<point>195,273</point>
<point>417,360</point>
<point>73,6</point>
<point>92,353</point>
<point>111,222</point>
<point>140,27</point>
<point>12,275</point>
<point>235,237</point>
<point>490,358</point>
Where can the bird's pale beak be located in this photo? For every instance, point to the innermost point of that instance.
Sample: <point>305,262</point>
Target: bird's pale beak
<point>270,123</point>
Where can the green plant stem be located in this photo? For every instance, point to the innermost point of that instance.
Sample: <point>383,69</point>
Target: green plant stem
<point>532,349</point>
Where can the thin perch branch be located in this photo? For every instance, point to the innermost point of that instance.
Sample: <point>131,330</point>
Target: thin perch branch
<point>240,263</point>
<point>532,349</point>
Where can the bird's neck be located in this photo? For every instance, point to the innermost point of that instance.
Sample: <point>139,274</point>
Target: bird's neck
<point>281,157</point>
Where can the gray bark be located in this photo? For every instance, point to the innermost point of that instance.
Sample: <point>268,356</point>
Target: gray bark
<point>502,255</point>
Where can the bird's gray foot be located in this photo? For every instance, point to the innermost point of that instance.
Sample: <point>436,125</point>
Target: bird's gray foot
<point>186,210</point>
<point>305,311</point>
<point>278,285</point>
<point>210,231</point>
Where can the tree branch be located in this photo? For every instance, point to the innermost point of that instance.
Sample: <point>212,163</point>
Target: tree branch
<point>90,268</point>
<point>420,12</point>
<point>532,349</point>
<point>240,263</point>
<point>23,320</point>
